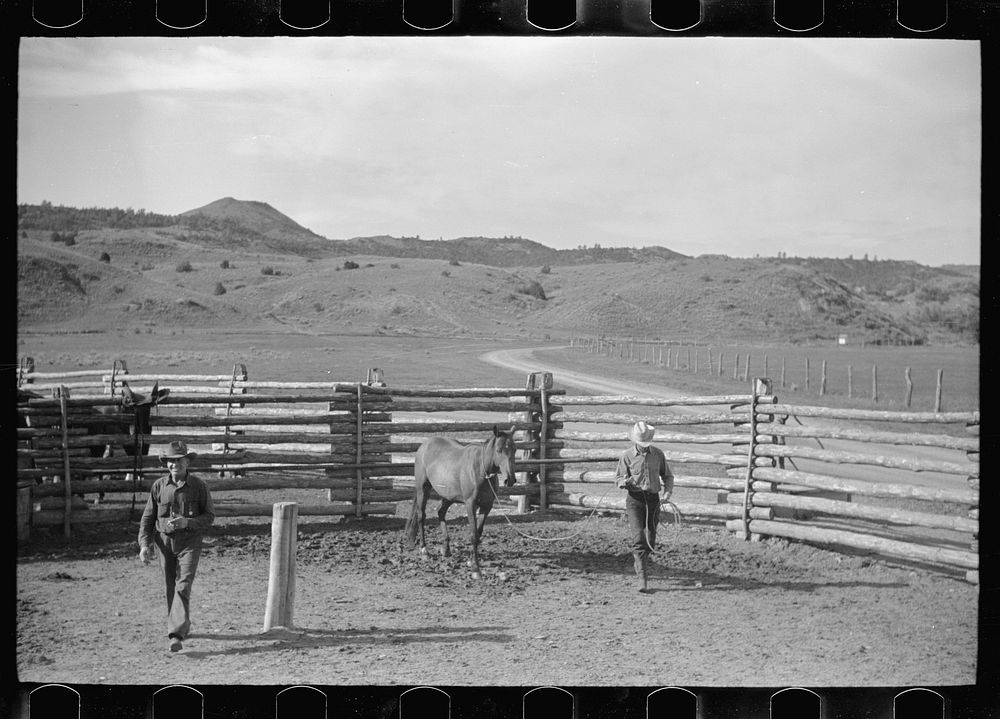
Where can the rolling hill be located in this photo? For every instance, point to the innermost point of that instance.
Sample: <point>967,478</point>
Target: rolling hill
<point>234,263</point>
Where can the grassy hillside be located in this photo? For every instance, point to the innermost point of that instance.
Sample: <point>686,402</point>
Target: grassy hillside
<point>242,264</point>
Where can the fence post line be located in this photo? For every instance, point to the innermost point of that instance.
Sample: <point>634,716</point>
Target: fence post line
<point>67,480</point>
<point>659,361</point>
<point>279,610</point>
<point>687,359</point>
<point>909,386</point>
<point>736,366</point>
<point>782,372</point>
<point>822,378</point>
<point>696,359</point>
<point>746,368</point>
<point>937,391</point>
<point>874,382</point>
<point>720,362</point>
<point>850,382</point>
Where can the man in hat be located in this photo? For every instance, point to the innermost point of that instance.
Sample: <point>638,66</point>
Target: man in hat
<point>178,511</point>
<point>644,472</point>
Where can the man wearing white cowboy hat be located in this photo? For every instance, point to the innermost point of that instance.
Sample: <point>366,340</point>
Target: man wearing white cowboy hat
<point>178,511</point>
<point>644,472</point>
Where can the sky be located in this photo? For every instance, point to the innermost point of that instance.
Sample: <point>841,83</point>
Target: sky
<point>821,147</point>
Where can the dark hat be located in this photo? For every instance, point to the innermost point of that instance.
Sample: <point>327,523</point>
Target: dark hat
<point>175,450</point>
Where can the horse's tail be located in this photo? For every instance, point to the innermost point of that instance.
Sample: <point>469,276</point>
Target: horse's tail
<point>419,477</point>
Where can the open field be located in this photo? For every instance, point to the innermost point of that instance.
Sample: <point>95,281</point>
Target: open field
<point>960,365</point>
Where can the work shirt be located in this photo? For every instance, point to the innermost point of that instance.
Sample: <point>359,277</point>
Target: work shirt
<point>169,499</point>
<point>647,468</point>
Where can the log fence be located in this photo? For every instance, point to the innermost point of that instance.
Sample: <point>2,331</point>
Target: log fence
<point>735,456</point>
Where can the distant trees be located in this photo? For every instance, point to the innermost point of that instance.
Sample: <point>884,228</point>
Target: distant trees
<point>67,219</point>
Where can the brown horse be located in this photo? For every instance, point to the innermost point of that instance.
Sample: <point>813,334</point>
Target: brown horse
<point>460,473</point>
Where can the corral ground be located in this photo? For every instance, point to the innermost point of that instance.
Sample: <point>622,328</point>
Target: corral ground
<point>557,605</point>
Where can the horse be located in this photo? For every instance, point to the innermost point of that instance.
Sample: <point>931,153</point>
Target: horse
<point>460,473</point>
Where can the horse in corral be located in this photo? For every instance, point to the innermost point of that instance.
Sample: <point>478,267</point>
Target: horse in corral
<point>460,473</point>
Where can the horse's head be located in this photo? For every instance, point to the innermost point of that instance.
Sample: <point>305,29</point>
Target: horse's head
<point>503,454</point>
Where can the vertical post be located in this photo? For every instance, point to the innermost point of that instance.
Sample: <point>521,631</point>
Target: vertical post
<point>543,436</point>
<point>807,374</point>
<point>909,386</point>
<point>746,368</point>
<point>850,382</point>
<point>358,456</point>
<point>720,363</point>
<point>687,358</point>
<point>279,610</point>
<point>524,501</point>
<point>782,372</point>
<point>696,359</point>
<point>874,382</point>
<point>765,365</point>
<point>736,366</point>
<point>822,378</point>
<point>659,361</point>
<point>67,481</point>
<point>711,367</point>
<point>759,387</point>
<point>937,391</point>
<point>973,510</point>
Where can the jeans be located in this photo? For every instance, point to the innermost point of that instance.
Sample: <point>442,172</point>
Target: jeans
<point>643,512</point>
<point>179,557</point>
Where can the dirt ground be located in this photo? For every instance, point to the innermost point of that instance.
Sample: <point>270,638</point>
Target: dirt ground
<point>557,605</point>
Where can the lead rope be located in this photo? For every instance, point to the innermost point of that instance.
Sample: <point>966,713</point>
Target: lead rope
<point>542,539</point>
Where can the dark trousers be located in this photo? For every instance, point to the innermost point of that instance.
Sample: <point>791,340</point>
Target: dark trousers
<point>179,557</point>
<point>643,512</point>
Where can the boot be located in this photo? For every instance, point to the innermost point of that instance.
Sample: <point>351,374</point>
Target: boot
<point>641,572</point>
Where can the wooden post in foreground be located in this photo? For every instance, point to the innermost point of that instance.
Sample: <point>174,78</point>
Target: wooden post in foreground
<point>281,580</point>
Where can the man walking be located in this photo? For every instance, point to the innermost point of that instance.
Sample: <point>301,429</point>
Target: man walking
<point>177,512</point>
<point>643,471</point>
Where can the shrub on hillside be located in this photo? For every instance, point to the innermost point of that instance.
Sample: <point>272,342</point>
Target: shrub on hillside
<point>453,262</point>
<point>224,264</point>
<point>267,270</point>
<point>220,289</point>
<point>105,257</point>
<point>933,294</point>
<point>546,270</point>
<point>184,266</point>
<point>350,265</point>
<point>534,289</point>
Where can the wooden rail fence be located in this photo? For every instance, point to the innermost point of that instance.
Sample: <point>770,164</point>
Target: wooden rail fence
<point>735,457</point>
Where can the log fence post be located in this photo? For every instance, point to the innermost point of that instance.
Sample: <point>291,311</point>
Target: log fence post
<point>720,363</point>
<point>822,378</point>
<point>687,359</point>
<point>973,510</point>
<point>359,454</point>
<point>782,372</point>
<point>530,437</point>
<point>696,359</point>
<point>765,374</point>
<point>736,366</point>
<point>850,382</point>
<point>543,439</point>
<point>67,480</point>
<point>746,368</point>
<point>909,386</point>
<point>807,375</point>
<point>937,391</point>
<point>874,383</point>
<point>279,610</point>
<point>659,361</point>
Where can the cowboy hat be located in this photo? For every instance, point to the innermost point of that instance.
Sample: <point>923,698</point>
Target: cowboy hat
<point>642,434</point>
<point>176,450</point>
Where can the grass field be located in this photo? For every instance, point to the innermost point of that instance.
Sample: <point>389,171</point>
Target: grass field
<point>450,361</point>
<point>960,378</point>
